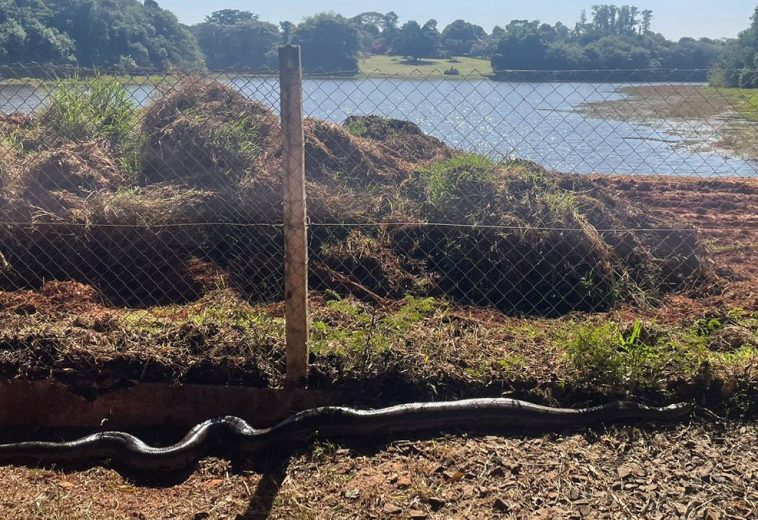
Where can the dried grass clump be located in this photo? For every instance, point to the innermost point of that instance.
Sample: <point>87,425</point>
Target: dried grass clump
<point>14,121</point>
<point>54,185</point>
<point>400,138</point>
<point>153,206</point>
<point>392,212</point>
<point>78,168</point>
<point>507,235</point>
<point>364,263</point>
<point>334,156</point>
<point>204,133</point>
<point>9,161</point>
<point>659,255</point>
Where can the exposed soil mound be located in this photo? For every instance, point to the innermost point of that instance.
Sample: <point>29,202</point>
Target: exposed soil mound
<point>401,138</point>
<point>53,297</point>
<point>203,133</point>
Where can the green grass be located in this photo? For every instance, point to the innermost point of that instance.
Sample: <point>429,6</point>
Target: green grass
<point>429,346</point>
<point>345,327</point>
<point>95,108</point>
<point>469,68</point>
<point>647,357</point>
<point>445,179</point>
<point>358,128</point>
<point>744,100</point>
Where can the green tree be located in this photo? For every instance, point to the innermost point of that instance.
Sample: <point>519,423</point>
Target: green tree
<point>287,27</point>
<point>169,43</point>
<point>329,43</point>
<point>611,52</point>
<point>647,21</point>
<point>615,37</point>
<point>230,17</point>
<point>27,37</point>
<point>460,37</point>
<point>738,65</point>
<point>689,53</point>
<point>108,32</point>
<point>237,39</point>
<point>417,41</point>
<point>368,25</point>
<point>524,46</point>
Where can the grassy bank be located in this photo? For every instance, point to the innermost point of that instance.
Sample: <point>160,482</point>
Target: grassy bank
<point>468,68</point>
<point>413,349</point>
<point>744,100</point>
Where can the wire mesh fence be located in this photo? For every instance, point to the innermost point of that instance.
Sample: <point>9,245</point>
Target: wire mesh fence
<point>162,191</point>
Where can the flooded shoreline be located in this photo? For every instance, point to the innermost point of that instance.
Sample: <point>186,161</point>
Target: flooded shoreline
<point>691,117</point>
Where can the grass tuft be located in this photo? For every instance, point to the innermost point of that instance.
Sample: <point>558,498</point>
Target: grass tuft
<point>97,108</point>
<point>445,179</point>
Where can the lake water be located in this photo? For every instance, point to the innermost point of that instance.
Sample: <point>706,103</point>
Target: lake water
<point>537,121</point>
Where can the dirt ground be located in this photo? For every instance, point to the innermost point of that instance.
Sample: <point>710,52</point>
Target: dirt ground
<point>702,470</point>
<point>726,213</point>
<point>699,469</point>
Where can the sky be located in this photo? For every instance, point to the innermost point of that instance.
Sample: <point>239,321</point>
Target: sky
<point>673,18</point>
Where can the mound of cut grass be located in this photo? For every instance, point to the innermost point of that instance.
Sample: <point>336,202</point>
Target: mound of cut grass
<point>392,210</point>
<point>203,133</point>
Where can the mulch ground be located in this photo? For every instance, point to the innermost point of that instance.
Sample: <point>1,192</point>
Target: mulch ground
<point>702,470</point>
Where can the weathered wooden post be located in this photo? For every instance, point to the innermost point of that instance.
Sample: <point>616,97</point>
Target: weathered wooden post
<point>295,227</point>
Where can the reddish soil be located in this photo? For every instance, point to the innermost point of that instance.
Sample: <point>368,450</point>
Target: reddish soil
<point>692,471</point>
<point>726,213</point>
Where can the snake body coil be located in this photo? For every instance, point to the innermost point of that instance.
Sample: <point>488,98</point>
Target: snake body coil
<point>237,436</point>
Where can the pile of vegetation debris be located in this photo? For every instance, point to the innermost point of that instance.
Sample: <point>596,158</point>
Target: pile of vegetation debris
<point>162,204</point>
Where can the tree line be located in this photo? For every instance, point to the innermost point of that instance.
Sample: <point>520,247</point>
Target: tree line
<point>738,66</point>
<point>95,33</point>
<point>130,35</point>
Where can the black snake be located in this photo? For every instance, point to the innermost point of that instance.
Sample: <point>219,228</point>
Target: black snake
<point>237,436</point>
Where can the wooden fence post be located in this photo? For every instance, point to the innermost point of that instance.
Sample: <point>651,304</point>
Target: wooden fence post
<point>295,228</point>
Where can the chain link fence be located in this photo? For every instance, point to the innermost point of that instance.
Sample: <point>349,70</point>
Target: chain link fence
<point>163,191</point>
